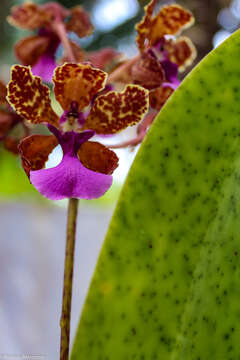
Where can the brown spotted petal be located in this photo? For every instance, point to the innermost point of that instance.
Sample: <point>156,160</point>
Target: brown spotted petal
<point>30,49</point>
<point>148,72</point>
<point>3,93</point>
<point>159,96</point>
<point>79,22</point>
<point>171,20</point>
<point>98,157</point>
<point>29,16</point>
<point>181,51</point>
<point>77,82</point>
<point>30,98</point>
<point>35,150</point>
<point>144,26</point>
<point>115,111</point>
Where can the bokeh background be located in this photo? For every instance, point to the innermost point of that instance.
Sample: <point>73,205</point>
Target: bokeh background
<point>32,236</point>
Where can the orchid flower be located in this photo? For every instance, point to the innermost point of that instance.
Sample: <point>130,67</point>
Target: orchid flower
<point>52,22</point>
<point>162,55</point>
<point>173,53</point>
<point>86,167</point>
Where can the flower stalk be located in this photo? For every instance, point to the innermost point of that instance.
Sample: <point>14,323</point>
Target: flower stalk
<point>60,30</point>
<point>68,277</point>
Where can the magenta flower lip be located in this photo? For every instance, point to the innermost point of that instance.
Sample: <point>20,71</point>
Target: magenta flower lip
<point>171,70</point>
<point>70,179</point>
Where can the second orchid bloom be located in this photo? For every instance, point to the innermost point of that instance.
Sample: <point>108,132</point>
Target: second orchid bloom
<point>163,54</point>
<point>86,167</point>
<point>51,22</point>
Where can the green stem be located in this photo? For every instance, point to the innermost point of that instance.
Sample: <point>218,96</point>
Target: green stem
<point>68,277</point>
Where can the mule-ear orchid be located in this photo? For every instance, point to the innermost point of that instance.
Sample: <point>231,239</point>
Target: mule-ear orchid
<point>86,167</point>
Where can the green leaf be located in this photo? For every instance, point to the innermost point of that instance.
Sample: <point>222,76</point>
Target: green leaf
<point>167,283</point>
<point>13,180</point>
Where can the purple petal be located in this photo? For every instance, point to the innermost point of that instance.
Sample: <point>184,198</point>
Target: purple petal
<point>81,118</point>
<point>64,116</point>
<point>171,70</point>
<point>70,179</point>
<point>172,85</point>
<point>45,67</point>
<point>71,141</point>
<point>159,45</point>
<point>158,49</point>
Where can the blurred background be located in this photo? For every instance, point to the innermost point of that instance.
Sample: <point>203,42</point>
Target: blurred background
<point>32,239</point>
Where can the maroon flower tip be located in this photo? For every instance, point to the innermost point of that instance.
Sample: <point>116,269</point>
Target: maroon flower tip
<point>34,151</point>
<point>98,157</point>
<point>148,71</point>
